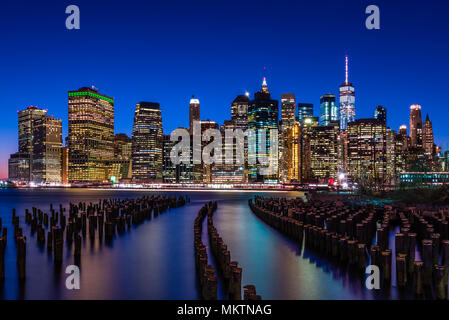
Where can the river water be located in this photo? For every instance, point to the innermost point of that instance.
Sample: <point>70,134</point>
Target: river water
<point>155,260</point>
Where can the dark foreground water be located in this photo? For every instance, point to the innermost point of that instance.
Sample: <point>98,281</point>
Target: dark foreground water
<point>155,260</point>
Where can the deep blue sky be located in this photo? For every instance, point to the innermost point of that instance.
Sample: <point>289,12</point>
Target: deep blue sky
<point>165,51</point>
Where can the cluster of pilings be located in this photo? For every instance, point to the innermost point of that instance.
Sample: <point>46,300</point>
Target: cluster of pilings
<point>3,238</point>
<point>430,230</point>
<point>249,293</point>
<point>205,272</point>
<point>230,271</point>
<point>21,241</point>
<point>345,233</point>
<point>100,220</point>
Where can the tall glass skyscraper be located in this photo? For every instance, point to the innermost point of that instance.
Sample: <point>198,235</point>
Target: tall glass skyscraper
<point>380,114</point>
<point>347,101</point>
<point>328,110</point>
<point>263,116</point>
<point>147,143</point>
<point>194,112</point>
<point>305,110</point>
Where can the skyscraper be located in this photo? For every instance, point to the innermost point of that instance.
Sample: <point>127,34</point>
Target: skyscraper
<point>169,173</point>
<point>404,137</point>
<point>288,106</point>
<point>20,163</point>
<point>47,150</point>
<point>91,135</point>
<point>380,114</point>
<point>367,151</point>
<point>40,143</point>
<point>305,148</point>
<point>328,110</point>
<point>428,137</point>
<point>121,165</point>
<point>324,144</point>
<point>263,116</point>
<point>415,126</point>
<point>291,155</point>
<point>147,143</point>
<point>305,110</point>
<point>194,112</point>
<point>347,100</point>
<point>235,172</point>
<point>27,119</point>
<point>239,112</point>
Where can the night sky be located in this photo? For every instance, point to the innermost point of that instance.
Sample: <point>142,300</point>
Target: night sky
<point>165,51</point>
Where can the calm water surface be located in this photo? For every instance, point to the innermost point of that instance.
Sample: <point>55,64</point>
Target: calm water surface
<point>155,260</point>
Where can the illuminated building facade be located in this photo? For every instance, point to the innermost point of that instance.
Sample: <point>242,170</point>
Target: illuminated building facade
<point>64,165</point>
<point>288,120</point>
<point>305,110</point>
<point>395,156</point>
<point>40,143</point>
<point>406,142</point>
<point>324,152</point>
<point>203,171</point>
<point>234,172</point>
<point>239,112</point>
<point>288,106</point>
<point>306,131</point>
<point>170,170</point>
<point>91,135</point>
<point>415,126</point>
<point>347,101</point>
<point>428,143</point>
<point>328,110</point>
<point>380,114</point>
<point>291,156</point>
<point>19,167</point>
<point>147,143</point>
<point>47,148</point>
<point>263,118</point>
<point>180,173</point>
<point>367,151</point>
<point>194,112</point>
<point>121,165</point>
<point>20,163</point>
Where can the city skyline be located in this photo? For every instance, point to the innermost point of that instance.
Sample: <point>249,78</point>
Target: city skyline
<point>396,79</point>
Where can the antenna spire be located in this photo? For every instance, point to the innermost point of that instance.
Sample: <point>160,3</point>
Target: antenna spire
<point>346,70</point>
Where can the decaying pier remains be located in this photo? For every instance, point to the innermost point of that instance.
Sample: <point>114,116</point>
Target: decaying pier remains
<point>230,271</point>
<point>359,235</point>
<point>100,220</point>
<point>205,272</point>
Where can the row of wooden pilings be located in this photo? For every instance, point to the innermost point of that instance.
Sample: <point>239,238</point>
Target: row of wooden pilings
<point>230,271</point>
<point>345,233</point>
<point>100,220</point>
<point>20,241</point>
<point>205,272</point>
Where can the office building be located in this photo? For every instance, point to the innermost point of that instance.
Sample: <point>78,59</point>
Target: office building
<point>91,135</point>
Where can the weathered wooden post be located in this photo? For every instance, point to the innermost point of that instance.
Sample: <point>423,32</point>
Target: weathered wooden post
<point>21,257</point>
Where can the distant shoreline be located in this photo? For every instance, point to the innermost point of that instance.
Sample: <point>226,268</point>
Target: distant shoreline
<point>180,189</point>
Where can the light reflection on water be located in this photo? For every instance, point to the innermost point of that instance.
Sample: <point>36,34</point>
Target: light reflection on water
<point>155,260</point>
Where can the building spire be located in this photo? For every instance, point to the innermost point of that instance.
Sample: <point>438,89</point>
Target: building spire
<point>264,85</point>
<point>346,70</point>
